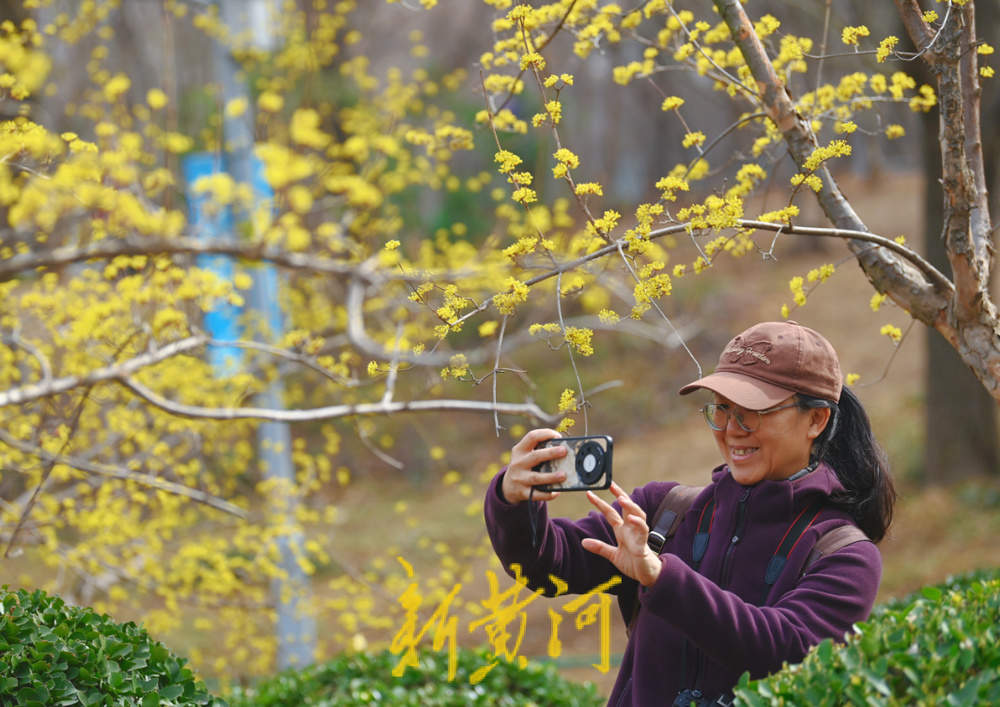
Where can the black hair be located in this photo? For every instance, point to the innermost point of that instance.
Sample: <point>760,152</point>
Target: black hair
<point>848,445</point>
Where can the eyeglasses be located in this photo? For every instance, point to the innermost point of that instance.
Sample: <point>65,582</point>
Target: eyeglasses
<point>717,416</point>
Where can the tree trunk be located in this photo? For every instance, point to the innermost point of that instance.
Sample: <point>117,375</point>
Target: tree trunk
<point>960,423</point>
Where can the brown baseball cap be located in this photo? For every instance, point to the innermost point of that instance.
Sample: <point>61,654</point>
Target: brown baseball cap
<point>770,361</point>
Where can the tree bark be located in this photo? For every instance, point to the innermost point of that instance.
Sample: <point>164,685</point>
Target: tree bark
<point>960,419</point>
<point>960,423</point>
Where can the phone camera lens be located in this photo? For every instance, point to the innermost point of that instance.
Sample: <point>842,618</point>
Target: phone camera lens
<point>590,462</point>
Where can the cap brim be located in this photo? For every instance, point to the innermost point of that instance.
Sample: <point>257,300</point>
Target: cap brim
<point>746,392</point>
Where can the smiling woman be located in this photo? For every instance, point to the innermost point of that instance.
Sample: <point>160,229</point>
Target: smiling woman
<point>747,580</point>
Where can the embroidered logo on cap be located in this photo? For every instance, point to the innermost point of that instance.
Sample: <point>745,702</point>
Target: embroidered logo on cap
<point>747,354</point>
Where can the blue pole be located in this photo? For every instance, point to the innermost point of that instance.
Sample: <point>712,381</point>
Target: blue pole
<point>290,593</point>
<point>212,222</point>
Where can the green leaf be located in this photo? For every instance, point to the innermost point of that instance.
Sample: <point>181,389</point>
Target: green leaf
<point>171,692</point>
<point>932,593</point>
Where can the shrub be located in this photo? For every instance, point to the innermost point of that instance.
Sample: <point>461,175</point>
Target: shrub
<point>940,646</point>
<point>361,679</point>
<point>54,654</point>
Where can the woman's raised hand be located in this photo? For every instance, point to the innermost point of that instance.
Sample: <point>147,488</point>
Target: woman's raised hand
<point>632,556</point>
<point>519,478</point>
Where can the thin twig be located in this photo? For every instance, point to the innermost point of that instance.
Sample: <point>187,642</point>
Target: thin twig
<point>657,307</point>
<point>888,364</point>
<point>569,350</point>
<point>496,368</point>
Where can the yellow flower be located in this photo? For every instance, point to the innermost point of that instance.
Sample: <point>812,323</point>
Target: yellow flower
<point>885,48</point>
<point>579,338</point>
<point>567,158</point>
<point>895,131</point>
<point>305,129</point>
<point>589,188</point>
<point>156,98</point>
<point>524,195</point>
<point>508,160</point>
<point>608,316</point>
<point>695,138</point>
<point>850,35</point>
<point>487,329</point>
<point>893,332</point>
<point>672,103</point>
<point>852,378</point>
<point>117,86</point>
<point>270,102</point>
<point>236,107</point>
<point>567,401</point>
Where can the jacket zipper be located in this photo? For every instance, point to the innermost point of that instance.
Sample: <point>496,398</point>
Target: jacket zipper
<point>741,519</point>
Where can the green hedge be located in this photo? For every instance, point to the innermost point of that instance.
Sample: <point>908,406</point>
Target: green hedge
<point>53,654</point>
<point>940,646</point>
<point>360,679</point>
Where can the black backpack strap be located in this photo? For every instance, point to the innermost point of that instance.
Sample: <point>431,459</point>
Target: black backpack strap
<point>833,540</point>
<point>801,523</point>
<point>700,544</point>
<point>670,513</point>
<point>828,542</point>
<point>663,525</point>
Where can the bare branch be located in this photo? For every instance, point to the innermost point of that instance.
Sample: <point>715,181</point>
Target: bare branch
<point>127,368</point>
<point>294,356</point>
<point>933,275</point>
<point>115,472</point>
<point>496,368</point>
<point>108,249</point>
<point>43,362</point>
<point>333,411</point>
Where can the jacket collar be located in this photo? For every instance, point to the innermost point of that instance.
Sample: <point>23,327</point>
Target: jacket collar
<point>821,482</point>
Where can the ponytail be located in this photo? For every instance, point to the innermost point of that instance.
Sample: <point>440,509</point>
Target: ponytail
<point>850,448</point>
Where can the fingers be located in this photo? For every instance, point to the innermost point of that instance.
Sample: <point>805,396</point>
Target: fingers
<point>629,506</point>
<point>630,509</point>
<point>599,548</point>
<point>609,513</point>
<point>532,439</point>
<point>520,478</point>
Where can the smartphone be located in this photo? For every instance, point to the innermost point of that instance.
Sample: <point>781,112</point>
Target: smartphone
<point>587,464</point>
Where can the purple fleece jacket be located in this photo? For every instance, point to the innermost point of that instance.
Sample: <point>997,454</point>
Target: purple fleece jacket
<point>702,629</point>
